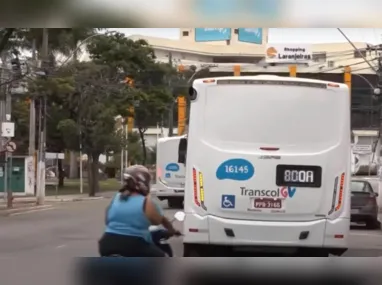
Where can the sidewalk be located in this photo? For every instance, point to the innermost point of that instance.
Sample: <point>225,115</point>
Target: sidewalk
<point>55,199</point>
<point>28,204</point>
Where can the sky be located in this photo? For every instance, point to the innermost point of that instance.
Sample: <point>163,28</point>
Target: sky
<point>282,35</point>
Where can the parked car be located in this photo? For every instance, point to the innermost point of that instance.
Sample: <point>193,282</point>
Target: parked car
<point>364,207</point>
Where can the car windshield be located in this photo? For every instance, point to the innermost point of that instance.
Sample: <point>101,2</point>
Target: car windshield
<point>360,187</point>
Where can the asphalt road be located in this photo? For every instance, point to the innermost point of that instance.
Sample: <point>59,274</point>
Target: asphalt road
<point>72,229</point>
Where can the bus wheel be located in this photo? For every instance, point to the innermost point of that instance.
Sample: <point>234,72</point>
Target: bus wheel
<point>190,250</point>
<point>313,253</point>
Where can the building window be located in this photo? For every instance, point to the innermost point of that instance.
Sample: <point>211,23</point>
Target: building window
<point>319,57</point>
<point>357,55</point>
<point>236,31</point>
<point>235,59</point>
<point>185,33</point>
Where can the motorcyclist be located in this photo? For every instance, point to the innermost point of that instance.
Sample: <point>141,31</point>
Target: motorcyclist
<point>129,216</point>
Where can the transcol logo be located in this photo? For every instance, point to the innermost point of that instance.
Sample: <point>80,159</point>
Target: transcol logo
<point>282,192</point>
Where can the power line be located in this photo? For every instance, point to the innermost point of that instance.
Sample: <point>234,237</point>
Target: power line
<point>358,51</point>
<point>352,64</point>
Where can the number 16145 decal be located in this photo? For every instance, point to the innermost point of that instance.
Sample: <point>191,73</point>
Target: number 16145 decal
<point>235,169</point>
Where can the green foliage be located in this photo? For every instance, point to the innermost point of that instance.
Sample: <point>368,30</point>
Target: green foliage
<point>20,116</point>
<point>97,100</point>
<point>150,93</point>
<point>63,40</point>
<point>86,97</point>
<point>134,150</point>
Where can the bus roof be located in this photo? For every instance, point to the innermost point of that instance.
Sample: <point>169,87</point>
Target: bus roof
<point>270,78</point>
<point>171,138</point>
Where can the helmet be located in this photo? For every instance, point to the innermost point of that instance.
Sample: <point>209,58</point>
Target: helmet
<point>137,178</point>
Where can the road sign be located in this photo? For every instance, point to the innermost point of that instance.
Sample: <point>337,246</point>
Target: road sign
<point>54,155</point>
<point>10,147</point>
<point>8,129</point>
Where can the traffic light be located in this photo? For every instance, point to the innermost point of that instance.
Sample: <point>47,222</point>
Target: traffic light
<point>129,81</point>
<point>180,68</point>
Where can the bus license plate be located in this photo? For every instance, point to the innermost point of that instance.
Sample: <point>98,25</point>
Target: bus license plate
<point>264,203</point>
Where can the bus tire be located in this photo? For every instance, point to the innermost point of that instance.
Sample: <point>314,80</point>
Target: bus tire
<point>310,252</point>
<point>194,250</point>
<point>176,203</point>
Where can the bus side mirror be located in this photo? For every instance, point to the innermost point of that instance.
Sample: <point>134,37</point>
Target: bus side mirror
<point>182,151</point>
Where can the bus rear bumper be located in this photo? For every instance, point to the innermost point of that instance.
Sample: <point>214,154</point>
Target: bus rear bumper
<point>309,234</point>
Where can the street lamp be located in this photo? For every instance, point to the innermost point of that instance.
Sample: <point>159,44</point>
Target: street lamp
<point>376,90</point>
<point>82,43</point>
<point>172,104</point>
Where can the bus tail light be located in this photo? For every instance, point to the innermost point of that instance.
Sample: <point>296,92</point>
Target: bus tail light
<point>201,190</point>
<point>333,207</point>
<point>196,200</point>
<point>333,85</point>
<point>341,192</point>
<point>209,81</point>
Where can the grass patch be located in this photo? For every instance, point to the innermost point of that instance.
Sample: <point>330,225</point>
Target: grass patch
<point>72,187</point>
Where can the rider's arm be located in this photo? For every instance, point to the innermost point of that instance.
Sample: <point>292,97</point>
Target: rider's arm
<point>108,209</point>
<point>155,214</point>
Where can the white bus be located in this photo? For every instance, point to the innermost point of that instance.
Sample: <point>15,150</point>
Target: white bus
<point>268,167</point>
<point>170,175</point>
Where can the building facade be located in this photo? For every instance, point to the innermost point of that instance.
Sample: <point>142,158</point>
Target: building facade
<point>221,50</point>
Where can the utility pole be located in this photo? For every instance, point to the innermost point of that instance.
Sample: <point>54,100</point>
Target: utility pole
<point>3,88</point>
<point>42,128</point>
<point>32,112</point>
<point>32,121</point>
<point>172,105</point>
<point>379,84</point>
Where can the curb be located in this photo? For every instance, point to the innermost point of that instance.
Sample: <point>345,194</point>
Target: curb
<point>56,200</point>
<point>10,212</point>
<point>59,200</point>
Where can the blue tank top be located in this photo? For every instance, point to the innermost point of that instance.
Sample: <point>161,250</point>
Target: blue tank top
<point>127,217</point>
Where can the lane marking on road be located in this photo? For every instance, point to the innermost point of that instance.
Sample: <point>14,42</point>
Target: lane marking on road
<point>31,211</point>
<point>60,246</point>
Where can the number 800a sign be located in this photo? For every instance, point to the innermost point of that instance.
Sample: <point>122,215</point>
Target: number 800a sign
<point>298,176</point>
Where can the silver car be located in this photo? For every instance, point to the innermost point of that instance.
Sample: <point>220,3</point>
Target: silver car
<point>364,207</point>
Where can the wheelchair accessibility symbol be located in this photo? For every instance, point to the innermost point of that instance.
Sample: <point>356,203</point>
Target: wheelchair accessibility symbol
<point>228,201</point>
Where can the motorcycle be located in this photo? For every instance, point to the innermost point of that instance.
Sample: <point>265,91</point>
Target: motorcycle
<point>160,236</point>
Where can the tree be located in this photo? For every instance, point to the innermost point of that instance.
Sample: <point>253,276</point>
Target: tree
<point>149,111</point>
<point>56,88</point>
<point>150,88</point>
<point>5,35</point>
<point>20,116</point>
<point>134,149</point>
<point>98,99</point>
<point>61,41</point>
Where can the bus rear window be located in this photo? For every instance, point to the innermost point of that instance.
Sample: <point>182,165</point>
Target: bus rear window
<point>274,115</point>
